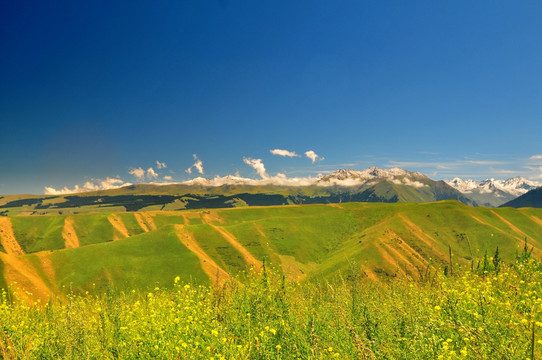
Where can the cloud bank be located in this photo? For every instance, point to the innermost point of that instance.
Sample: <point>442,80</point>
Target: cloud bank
<point>94,185</point>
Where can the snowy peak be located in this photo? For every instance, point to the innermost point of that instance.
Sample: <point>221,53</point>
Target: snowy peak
<point>515,186</point>
<point>465,186</point>
<point>342,177</point>
<point>347,177</point>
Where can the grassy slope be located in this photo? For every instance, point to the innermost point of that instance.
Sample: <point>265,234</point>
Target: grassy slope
<point>142,261</point>
<point>39,233</point>
<point>317,241</point>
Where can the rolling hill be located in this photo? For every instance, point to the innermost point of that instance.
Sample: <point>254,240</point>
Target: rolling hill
<point>55,254</point>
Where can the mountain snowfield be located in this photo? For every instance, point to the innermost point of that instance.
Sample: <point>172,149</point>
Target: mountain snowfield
<point>376,184</point>
<point>516,186</point>
<point>489,192</point>
<point>494,192</point>
<point>342,177</point>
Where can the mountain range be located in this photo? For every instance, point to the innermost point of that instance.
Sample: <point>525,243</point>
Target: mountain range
<point>344,185</point>
<point>492,192</point>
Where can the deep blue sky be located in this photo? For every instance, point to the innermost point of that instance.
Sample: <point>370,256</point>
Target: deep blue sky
<point>90,90</point>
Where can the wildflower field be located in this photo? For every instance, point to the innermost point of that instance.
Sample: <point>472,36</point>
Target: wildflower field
<point>493,311</point>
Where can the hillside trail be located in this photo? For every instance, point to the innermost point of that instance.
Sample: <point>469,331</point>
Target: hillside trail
<point>401,250</point>
<point>480,220</point>
<point>512,226</point>
<point>249,258</point>
<point>427,239</point>
<point>535,219</point>
<point>149,220</point>
<point>119,226</point>
<point>145,221</point>
<point>48,269</point>
<point>7,237</point>
<point>209,266</point>
<point>19,272</point>
<point>69,235</point>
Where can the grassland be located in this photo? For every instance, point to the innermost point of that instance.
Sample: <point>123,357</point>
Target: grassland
<point>494,312</point>
<point>348,281</point>
<point>53,255</point>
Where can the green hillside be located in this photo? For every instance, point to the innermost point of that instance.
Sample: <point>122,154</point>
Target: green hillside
<point>56,254</point>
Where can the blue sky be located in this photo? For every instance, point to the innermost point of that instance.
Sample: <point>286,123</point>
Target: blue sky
<point>96,90</point>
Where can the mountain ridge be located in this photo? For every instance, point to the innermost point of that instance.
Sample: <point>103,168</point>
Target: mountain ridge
<point>345,185</point>
<point>494,192</point>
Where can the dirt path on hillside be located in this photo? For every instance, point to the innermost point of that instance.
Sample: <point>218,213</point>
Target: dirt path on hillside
<point>149,220</point>
<point>480,221</point>
<point>141,222</point>
<point>48,269</point>
<point>249,258</point>
<point>7,237</point>
<point>421,235</point>
<point>395,242</point>
<point>512,226</point>
<point>535,219</point>
<point>69,235</point>
<point>386,256</point>
<point>212,216</point>
<point>145,221</point>
<point>19,272</point>
<point>215,272</point>
<point>118,225</point>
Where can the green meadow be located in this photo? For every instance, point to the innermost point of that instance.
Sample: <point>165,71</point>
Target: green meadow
<point>492,312</point>
<point>142,250</point>
<point>351,281</point>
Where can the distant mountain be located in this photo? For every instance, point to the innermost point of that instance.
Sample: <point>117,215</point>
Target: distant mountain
<point>370,185</point>
<point>393,185</point>
<point>532,198</point>
<point>492,192</point>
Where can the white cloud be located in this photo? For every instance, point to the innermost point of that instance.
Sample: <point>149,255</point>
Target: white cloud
<point>94,185</point>
<point>257,165</point>
<point>278,180</point>
<point>408,182</point>
<point>313,156</point>
<point>168,178</point>
<point>536,157</point>
<point>198,164</point>
<point>281,152</point>
<point>160,165</point>
<point>139,173</point>
<point>151,174</point>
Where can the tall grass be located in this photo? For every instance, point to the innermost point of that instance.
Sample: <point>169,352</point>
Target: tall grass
<point>479,314</point>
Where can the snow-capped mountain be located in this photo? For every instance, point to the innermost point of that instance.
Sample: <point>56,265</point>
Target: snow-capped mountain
<point>494,192</point>
<point>347,177</point>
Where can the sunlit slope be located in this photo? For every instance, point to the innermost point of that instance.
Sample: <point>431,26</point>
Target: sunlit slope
<point>52,254</point>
